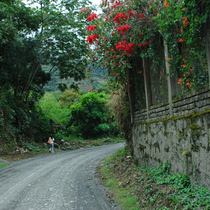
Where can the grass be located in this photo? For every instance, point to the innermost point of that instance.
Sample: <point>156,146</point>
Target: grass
<point>3,164</point>
<point>123,197</point>
<point>77,142</point>
<point>136,187</point>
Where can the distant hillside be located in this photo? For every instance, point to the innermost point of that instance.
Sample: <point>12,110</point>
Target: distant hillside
<point>96,80</point>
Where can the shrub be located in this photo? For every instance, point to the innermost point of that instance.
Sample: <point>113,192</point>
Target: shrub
<point>88,117</point>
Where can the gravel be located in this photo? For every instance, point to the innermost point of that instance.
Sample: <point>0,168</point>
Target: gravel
<point>3,161</point>
<point>61,181</point>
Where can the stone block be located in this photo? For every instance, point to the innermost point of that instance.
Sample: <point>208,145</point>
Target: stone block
<point>195,98</point>
<point>167,140</point>
<point>202,109</point>
<point>198,104</point>
<point>180,125</point>
<point>204,161</point>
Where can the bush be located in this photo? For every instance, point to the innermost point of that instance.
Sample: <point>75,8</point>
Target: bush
<point>69,98</point>
<point>53,109</point>
<point>88,117</point>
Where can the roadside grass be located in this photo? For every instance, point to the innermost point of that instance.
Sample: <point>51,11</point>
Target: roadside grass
<point>122,197</point>
<point>76,142</point>
<point>3,164</point>
<point>93,142</point>
<point>135,187</point>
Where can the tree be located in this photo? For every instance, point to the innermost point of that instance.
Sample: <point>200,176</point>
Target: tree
<point>54,110</point>
<point>69,98</point>
<point>88,117</point>
<point>61,38</point>
<point>30,37</point>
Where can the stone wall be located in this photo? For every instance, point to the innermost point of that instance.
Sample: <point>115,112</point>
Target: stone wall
<point>183,140</point>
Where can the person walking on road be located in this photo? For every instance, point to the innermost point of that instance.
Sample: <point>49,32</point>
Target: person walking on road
<point>51,142</point>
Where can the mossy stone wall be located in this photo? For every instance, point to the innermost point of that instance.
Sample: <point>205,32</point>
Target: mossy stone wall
<point>183,140</point>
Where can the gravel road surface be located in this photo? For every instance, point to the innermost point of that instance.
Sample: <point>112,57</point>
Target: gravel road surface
<point>60,181</point>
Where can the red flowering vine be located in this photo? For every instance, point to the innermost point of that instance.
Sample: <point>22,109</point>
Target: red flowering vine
<point>123,45</point>
<point>91,17</point>
<point>122,29</point>
<point>91,28</point>
<point>91,38</point>
<point>116,51</point>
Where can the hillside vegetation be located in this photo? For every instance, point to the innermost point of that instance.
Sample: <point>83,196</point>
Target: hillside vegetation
<point>94,79</point>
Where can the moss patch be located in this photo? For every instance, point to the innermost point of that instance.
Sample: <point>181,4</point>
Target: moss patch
<point>142,147</point>
<point>192,115</point>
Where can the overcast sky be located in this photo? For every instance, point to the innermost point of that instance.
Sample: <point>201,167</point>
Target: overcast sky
<point>96,1</point>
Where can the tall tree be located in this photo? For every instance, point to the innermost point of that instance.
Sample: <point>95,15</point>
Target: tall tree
<point>30,37</point>
<point>61,37</point>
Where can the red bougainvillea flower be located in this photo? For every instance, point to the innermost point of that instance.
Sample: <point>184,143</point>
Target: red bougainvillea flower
<point>91,28</point>
<point>129,47</point>
<point>92,16</point>
<point>117,3</point>
<point>120,15</point>
<point>83,9</point>
<point>122,29</point>
<point>140,15</point>
<point>112,50</point>
<point>87,10</point>
<point>107,18</point>
<point>145,44</point>
<point>115,74</point>
<point>121,45</point>
<point>130,13</point>
<point>91,38</point>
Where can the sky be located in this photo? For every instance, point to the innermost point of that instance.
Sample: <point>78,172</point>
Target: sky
<point>96,1</point>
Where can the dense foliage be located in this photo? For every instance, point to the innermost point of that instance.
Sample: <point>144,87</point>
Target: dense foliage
<point>49,33</point>
<point>54,110</point>
<point>129,33</point>
<point>139,41</point>
<point>150,188</point>
<point>91,114</point>
<point>126,40</point>
<point>89,118</point>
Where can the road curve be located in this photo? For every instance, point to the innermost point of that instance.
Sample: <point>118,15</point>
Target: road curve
<point>60,181</point>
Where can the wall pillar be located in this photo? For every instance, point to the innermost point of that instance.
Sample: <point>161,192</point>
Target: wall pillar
<point>131,95</point>
<point>147,85</point>
<point>208,53</point>
<point>168,77</point>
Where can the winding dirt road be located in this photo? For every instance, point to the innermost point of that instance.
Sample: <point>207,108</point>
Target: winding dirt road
<point>60,181</point>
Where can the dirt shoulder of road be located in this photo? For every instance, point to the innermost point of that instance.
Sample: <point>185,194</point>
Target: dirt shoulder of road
<point>41,149</point>
<point>18,157</point>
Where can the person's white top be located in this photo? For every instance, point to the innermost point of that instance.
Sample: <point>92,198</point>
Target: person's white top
<point>51,140</point>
